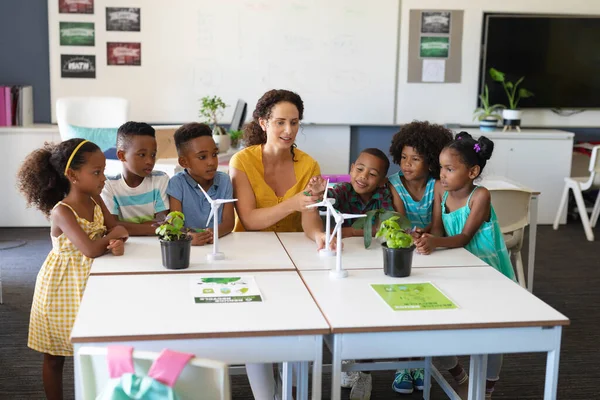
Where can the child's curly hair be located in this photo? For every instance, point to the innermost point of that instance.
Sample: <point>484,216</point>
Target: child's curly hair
<point>427,139</point>
<point>253,133</point>
<point>41,178</point>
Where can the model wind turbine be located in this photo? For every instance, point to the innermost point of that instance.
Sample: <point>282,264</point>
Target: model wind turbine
<point>214,214</point>
<point>328,204</point>
<point>339,221</point>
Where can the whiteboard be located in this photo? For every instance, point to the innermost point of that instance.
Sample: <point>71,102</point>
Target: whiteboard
<point>339,55</point>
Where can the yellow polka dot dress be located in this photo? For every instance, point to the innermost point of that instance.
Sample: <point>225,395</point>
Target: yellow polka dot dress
<point>59,288</point>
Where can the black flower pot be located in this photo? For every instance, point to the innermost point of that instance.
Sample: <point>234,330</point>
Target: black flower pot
<point>176,254</point>
<point>397,263</point>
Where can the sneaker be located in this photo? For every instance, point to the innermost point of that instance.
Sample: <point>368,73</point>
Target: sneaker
<point>403,382</point>
<point>362,388</point>
<point>417,375</point>
<point>349,378</point>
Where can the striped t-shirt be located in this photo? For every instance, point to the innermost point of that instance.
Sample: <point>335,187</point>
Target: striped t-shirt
<point>138,204</point>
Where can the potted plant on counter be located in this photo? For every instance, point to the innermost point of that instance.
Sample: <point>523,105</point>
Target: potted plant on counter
<point>487,115</point>
<point>211,110</point>
<point>512,115</point>
<point>175,243</point>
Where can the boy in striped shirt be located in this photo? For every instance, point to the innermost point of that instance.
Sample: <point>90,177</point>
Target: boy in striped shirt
<point>138,196</point>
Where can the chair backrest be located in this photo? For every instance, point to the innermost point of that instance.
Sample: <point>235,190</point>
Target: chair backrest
<point>204,377</point>
<point>594,167</point>
<point>91,112</point>
<point>512,208</point>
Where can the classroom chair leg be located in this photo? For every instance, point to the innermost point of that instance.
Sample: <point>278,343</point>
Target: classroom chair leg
<point>520,271</point>
<point>561,207</point>
<point>596,211</point>
<point>585,220</point>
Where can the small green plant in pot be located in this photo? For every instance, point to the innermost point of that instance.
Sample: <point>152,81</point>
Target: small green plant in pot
<point>175,243</point>
<point>512,115</point>
<point>236,137</point>
<point>487,115</point>
<point>211,110</point>
<point>398,248</point>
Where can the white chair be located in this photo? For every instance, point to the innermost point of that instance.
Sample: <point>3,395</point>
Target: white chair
<point>91,112</point>
<point>512,210</point>
<point>579,185</point>
<point>201,378</point>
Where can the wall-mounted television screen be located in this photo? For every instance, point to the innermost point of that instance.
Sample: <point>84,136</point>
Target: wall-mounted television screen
<point>558,55</point>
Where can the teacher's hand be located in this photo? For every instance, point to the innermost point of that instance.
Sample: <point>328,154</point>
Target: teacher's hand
<point>301,200</point>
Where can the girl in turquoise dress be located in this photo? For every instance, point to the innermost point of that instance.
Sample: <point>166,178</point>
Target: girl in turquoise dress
<point>464,213</point>
<point>416,150</point>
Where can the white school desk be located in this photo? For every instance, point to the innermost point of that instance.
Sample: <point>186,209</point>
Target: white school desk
<point>153,312</point>
<point>354,256</point>
<point>244,251</point>
<point>495,315</point>
<point>500,182</point>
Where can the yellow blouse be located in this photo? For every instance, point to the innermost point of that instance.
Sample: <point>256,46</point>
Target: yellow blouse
<point>250,162</point>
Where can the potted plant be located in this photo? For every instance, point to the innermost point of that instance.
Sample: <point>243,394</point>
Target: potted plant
<point>486,114</point>
<point>235,137</point>
<point>398,248</point>
<point>211,110</point>
<point>512,115</point>
<point>175,243</point>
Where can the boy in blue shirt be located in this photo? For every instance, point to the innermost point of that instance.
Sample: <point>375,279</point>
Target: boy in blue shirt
<point>198,154</point>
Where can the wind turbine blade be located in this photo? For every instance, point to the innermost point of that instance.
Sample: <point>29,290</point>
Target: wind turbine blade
<point>223,201</point>
<point>337,227</point>
<point>326,189</point>
<point>206,194</point>
<point>210,215</point>
<point>351,216</point>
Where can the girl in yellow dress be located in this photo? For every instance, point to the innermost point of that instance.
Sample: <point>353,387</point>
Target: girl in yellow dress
<point>64,181</point>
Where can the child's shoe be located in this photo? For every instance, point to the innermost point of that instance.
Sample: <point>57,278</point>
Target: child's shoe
<point>403,382</point>
<point>349,378</point>
<point>362,388</point>
<point>417,375</point>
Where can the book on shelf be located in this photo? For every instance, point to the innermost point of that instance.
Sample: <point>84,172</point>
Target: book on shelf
<point>16,105</point>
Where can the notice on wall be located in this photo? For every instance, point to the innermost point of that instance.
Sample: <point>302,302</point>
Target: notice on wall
<point>124,53</point>
<point>77,34</point>
<point>76,6</point>
<point>123,19</point>
<point>77,66</point>
<point>434,70</point>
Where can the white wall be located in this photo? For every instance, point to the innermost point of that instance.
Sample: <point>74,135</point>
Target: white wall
<point>454,103</point>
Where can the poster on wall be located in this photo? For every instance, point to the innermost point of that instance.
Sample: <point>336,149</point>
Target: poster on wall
<point>76,6</point>
<point>77,34</point>
<point>435,22</point>
<point>77,66</point>
<point>434,47</point>
<point>118,53</point>
<point>122,19</point>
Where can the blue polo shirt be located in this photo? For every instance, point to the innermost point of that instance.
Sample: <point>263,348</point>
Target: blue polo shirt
<point>194,205</point>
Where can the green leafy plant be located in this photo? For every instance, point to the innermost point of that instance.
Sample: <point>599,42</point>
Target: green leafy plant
<point>211,110</point>
<point>486,111</point>
<point>235,137</point>
<point>376,217</point>
<point>513,92</point>
<point>395,236</point>
<point>172,229</point>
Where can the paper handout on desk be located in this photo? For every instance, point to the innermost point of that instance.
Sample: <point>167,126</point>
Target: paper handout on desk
<point>230,289</point>
<point>413,296</point>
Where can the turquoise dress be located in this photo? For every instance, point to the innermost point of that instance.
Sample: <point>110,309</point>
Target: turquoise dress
<point>418,212</point>
<point>487,244</point>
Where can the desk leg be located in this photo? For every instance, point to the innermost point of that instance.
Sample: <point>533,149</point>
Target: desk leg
<point>317,370</point>
<point>336,368</point>
<point>552,362</point>
<point>427,379</point>
<point>533,218</point>
<point>477,371</point>
<point>287,380</point>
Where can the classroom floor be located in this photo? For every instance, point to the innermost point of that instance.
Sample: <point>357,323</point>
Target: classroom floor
<point>567,277</point>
